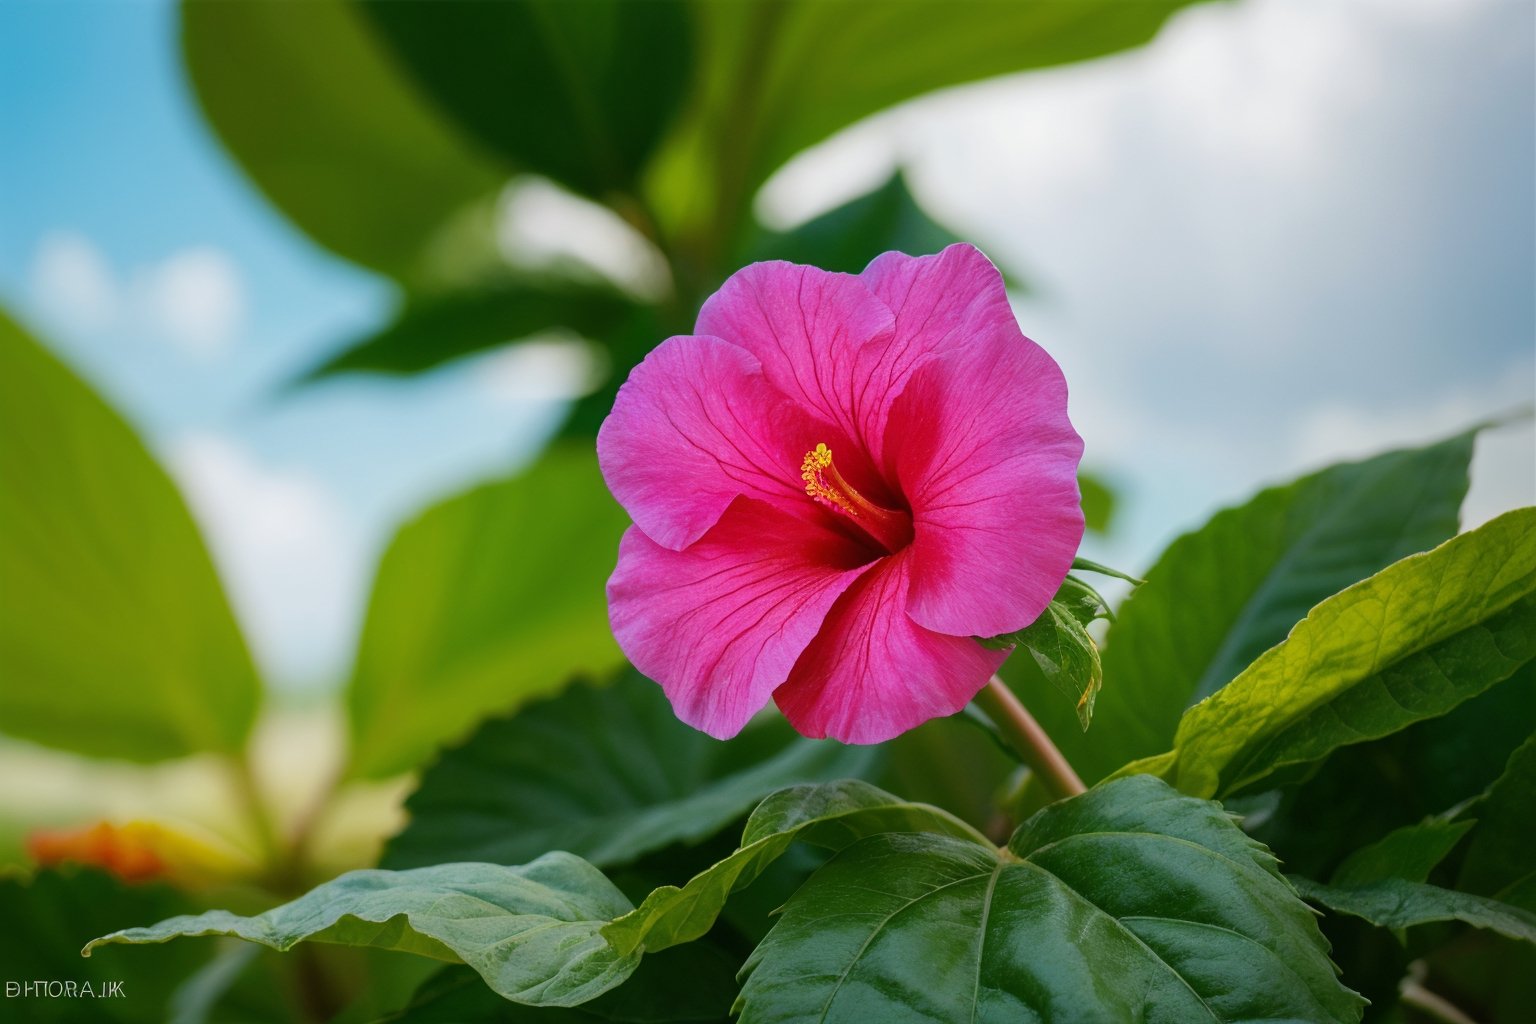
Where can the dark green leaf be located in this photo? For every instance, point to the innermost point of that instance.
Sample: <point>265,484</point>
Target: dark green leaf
<point>489,599</point>
<point>847,238</point>
<point>1223,594</point>
<point>577,92</point>
<point>1410,643</point>
<point>606,773</point>
<point>116,639</point>
<point>1408,853</point>
<point>1399,903</point>
<point>1064,653</point>
<point>831,815</point>
<point>1130,902</point>
<point>530,932</point>
<point>431,330</point>
<point>1500,858</point>
<point>317,113</point>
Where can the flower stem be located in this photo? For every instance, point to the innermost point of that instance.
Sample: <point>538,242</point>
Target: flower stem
<point>1027,739</point>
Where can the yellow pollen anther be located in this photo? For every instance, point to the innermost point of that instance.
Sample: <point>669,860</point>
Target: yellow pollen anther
<point>813,471</point>
<point>889,527</point>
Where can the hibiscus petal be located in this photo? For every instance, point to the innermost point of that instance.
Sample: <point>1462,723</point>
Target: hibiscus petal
<point>720,624</point>
<point>807,327</point>
<point>694,426</point>
<point>988,461</point>
<point>872,673</point>
<point>942,302</point>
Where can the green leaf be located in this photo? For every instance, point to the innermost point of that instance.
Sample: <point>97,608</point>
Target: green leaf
<point>1499,860</point>
<point>606,773</point>
<point>1062,650</point>
<point>1399,903</point>
<point>1099,502</point>
<point>847,238</point>
<point>1409,853</point>
<point>486,600</point>
<point>1130,902</point>
<point>116,639</point>
<point>530,932</point>
<point>432,329</point>
<point>317,113</point>
<point>1410,643</point>
<point>1223,594</point>
<point>830,815</point>
<point>577,92</point>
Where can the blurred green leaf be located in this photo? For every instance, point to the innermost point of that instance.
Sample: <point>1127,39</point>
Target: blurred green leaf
<point>1129,902</point>
<point>1409,853</point>
<point>48,918</point>
<point>311,104</point>
<point>777,77</point>
<point>1062,650</point>
<point>484,601</point>
<point>1411,642</point>
<point>577,92</point>
<point>1099,502</point>
<point>1500,861</point>
<point>831,815</point>
<point>847,238</point>
<point>607,773</point>
<point>950,763</point>
<point>1221,595</point>
<point>530,932</point>
<point>429,330</point>
<point>1399,903</point>
<point>115,636</point>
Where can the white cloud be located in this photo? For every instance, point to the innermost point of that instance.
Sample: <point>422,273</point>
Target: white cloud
<point>292,565</point>
<point>195,298</point>
<point>72,283</point>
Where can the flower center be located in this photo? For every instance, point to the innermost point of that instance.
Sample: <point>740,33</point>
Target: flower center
<point>890,528</point>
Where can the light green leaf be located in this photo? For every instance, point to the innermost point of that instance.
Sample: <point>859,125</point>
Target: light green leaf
<point>606,773</point>
<point>1062,650</point>
<point>1399,903</point>
<point>116,639</point>
<point>1409,853</point>
<point>1410,643</point>
<point>530,932</point>
<point>1099,501</point>
<point>1130,902</point>
<point>316,111</point>
<point>485,601</point>
<point>1225,593</point>
<point>1500,860</point>
<point>831,815</point>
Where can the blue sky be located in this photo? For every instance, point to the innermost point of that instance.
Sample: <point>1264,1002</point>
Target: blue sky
<point>1288,231</point>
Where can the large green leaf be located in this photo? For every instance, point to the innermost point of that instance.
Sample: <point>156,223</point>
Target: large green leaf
<point>606,773</point>
<point>777,77</point>
<point>531,932</point>
<point>1130,902</point>
<point>1410,643</point>
<point>314,109</point>
<point>1399,903</point>
<point>485,601</point>
<point>831,815</point>
<point>1500,861</point>
<point>115,636</point>
<point>430,330</point>
<point>578,92</point>
<point>1223,594</point>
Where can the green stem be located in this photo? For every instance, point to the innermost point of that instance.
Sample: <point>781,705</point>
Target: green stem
<point>1027,739</point>
<point>257,812</point>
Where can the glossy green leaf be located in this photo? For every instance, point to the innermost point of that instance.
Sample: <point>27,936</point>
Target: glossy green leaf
<point>1410,643</point>
<point>1500,858</point>
<point>1062,650</point>
<point>484,601</point>
<point>847,238</point>
<point>1130,902</point>
<point>1223,594</point>
<point>430,330</point>
<point>530,932</point>
<point>831,815</point>
<point>315,110</point>
<point>577,92</point>
<point>1399,903</point>
<point>606,773</point>
<point>116,639</point>
<point>1408,853</point>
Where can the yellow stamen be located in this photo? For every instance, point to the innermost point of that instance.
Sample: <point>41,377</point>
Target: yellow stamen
<point>892,529</point>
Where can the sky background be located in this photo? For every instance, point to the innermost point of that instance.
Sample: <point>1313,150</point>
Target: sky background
<point>1288,231</point>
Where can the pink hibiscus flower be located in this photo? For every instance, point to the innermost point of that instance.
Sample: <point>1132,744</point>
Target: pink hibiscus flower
<point>837,484</point>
